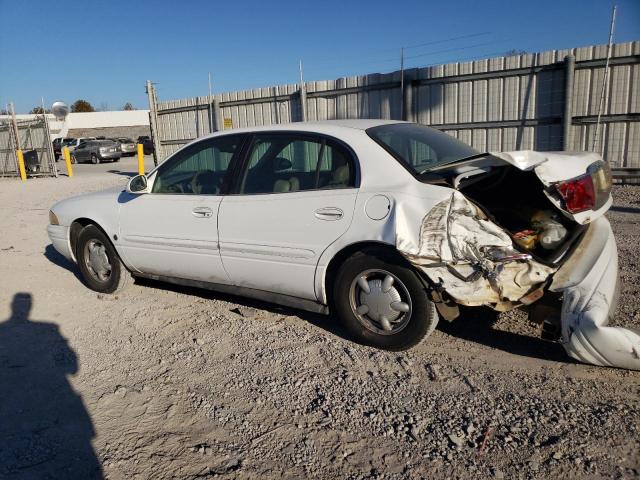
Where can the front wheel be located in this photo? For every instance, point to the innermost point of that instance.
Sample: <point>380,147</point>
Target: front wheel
<point>94,159</point>
<point>99,263</point>
<point>73,159</point>
<point>382,302</point>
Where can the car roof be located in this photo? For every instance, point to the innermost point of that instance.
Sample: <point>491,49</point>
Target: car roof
<point>322,126</point>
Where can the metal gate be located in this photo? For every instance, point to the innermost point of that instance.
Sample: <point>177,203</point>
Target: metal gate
<point>33,138</point>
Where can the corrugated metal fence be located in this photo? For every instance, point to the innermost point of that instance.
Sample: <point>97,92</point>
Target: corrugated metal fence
<point>496,104</point>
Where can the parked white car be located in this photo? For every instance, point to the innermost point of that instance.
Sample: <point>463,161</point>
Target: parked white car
<point>389,224</point>
<point>77,141</point>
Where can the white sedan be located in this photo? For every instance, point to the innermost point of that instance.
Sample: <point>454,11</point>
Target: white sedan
<point>391,225</point>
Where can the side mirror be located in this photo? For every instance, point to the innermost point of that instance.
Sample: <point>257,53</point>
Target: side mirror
<point>138,185</point>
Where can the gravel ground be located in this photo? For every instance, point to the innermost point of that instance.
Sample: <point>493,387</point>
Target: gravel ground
<point>169,382</point>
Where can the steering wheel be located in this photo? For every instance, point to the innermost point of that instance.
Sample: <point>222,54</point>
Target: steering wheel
<point>198,181</point>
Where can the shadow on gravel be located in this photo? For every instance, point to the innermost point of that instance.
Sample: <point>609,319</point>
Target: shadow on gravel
<point>45,430</point>
<point>57,259</point>
<point>476,325</point>
<point>625,209</point>
<point>325,322</point>
<point>124,174</point>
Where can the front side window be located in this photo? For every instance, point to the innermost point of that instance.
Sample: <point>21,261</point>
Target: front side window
<point>418,147</point>
<point>286,163</point>
<point>199,169</point>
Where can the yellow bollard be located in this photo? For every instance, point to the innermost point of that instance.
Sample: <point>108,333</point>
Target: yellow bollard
<point>23,174</point>
<point>67,160</point>
<point>140,159</point>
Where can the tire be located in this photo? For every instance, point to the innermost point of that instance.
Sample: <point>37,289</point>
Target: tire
<point>349,299</point>
<point>73,159</point>
<point>94,270</point>
<point>94,159</point>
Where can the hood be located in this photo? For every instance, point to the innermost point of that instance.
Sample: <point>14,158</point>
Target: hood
<point>80,206</point>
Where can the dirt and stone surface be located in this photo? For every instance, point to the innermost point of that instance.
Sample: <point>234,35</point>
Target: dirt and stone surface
<point>167,382</point>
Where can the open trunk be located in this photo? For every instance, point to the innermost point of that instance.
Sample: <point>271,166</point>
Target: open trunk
<point>542,200</point>
<point>510,222</point>
<point>515,201</point>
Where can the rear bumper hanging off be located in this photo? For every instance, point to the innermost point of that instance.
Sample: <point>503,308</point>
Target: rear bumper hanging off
<point>589,283</point>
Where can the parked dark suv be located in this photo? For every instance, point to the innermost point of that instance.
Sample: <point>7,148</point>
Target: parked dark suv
<point>147,144</point>
<point>96,151</point>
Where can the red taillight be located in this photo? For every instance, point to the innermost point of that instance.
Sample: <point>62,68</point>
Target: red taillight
<point>578,194</point>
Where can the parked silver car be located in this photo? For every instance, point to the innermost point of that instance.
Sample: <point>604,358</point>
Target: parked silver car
<point>96,151</point>
<point>73,144</point>
<point>127,146</point>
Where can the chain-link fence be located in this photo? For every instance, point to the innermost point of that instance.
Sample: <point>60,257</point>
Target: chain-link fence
<point>32,136</point>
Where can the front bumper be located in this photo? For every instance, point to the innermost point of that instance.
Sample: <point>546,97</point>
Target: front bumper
<point>590,286</point>
<point>59,236</point>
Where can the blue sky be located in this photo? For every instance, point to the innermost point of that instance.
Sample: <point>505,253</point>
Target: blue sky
<point>104,51</point>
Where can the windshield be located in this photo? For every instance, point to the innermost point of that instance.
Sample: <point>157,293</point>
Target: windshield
<point>418,147</point>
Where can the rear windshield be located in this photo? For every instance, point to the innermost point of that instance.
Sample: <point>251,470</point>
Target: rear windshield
<point>418,147</point>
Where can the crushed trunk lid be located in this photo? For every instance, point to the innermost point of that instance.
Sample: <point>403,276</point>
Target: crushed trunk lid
<point>565,175</point>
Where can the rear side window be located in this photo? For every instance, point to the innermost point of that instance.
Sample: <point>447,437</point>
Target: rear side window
<point>288,163</point>
<point>199,169</point>
<point>418,147</point>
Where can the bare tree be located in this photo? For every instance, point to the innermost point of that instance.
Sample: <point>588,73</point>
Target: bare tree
<point>128,106</point>
<point>39,111</point>
<point>513,52</point>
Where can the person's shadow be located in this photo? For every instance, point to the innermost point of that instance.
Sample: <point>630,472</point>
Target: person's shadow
<point>45,430</point>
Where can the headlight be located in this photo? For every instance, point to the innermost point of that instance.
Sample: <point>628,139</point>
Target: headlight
<point>53,220</point>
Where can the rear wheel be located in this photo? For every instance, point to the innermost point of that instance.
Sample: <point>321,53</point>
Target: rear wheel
<point>99,263</point>
<point>73,159</point>
<point>94,159</point>
<point>382,302</point>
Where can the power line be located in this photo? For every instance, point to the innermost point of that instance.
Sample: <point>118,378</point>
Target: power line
<point>447,40</point>
<point>459,60</point>
<point>370,60</point>
<point>455,49</point>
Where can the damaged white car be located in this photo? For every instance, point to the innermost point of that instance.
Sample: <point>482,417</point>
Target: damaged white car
<point>391,224</point>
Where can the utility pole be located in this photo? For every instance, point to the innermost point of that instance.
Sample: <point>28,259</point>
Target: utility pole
<point>402,83</point>
<point>16,135</point>
<point>153,120</point>
<point>14,124</point>
<point>47,134</point>
<point>303,95</point>
<point>605,80</point>
<point>210,106</point>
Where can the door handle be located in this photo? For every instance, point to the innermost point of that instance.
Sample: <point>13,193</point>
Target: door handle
<point>202,212</point>
<point>329,213</point>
